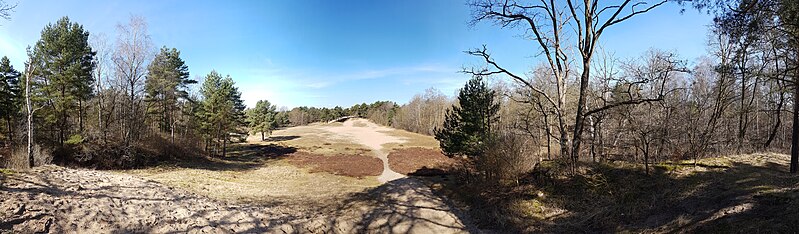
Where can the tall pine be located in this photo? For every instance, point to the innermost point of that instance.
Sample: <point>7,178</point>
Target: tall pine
<point>166,85</point>
<point>64,60</point>
<point>221,111</point>
<point>468,125</point>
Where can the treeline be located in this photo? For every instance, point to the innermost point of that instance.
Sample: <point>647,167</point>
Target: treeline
<point>422,114</point>
<point>83,99</point>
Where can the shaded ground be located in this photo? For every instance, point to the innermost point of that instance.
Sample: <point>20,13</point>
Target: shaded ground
<point>739,194</point>
<point>409,160</point>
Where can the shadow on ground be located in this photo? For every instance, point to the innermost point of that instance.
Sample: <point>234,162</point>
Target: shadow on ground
<point>239,157</point>
<point>745,196</point>
<point>280,138</point>
<point>401,206</point>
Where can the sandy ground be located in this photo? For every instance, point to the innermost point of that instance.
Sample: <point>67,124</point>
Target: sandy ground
<point>372,136</point>
<point>56,200</point>
<point>53,199</point>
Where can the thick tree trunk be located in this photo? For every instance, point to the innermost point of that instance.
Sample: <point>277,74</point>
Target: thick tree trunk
<point>580,118</point>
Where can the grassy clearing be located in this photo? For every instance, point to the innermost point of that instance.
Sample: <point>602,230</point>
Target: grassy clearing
<point>262,173</point>
<point>314,140</point>
<point>411,140</point>
<point>743,193</point>
<point>272,182</point>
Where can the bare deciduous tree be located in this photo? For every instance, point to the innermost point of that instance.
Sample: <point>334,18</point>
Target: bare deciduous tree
<point>134,50</point>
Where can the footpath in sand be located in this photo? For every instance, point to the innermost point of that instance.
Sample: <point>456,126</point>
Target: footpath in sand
<point>53,199</point>
<point>372,136</point>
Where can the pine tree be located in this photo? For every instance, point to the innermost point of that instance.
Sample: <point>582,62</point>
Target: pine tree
<point>10,96</point>
<point>468,125</point>
<point>166,84</point>
<point>222,110</point>
<point>262,118</point>
<point>65,62</point>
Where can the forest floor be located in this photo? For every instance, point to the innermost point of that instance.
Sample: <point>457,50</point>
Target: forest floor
<point>751,193</point>
<point>321,178</point>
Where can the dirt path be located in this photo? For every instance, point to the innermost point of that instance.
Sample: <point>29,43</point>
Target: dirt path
<point>370,135</point>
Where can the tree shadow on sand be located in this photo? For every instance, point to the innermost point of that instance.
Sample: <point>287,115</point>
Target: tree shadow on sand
<point>743,196</point>
<point>280,138</point>
<point>399,206</point>
<point>239,157</point>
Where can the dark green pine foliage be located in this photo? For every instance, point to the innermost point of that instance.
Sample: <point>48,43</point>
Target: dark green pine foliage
<point>64,61</point>
<point>221,111</point>
<point>468,124</point>
<point>262,119</point>
<point>9,93</point>
<point>166,85</point>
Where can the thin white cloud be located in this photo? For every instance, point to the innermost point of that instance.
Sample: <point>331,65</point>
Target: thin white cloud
<point>294,87</point>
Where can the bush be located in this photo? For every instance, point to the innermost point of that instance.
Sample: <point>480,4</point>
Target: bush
<point>116,155</point>
<point>18,158</point>
<point>505,157</point>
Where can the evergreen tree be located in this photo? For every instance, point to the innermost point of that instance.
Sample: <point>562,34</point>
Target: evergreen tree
<point>468,125</point>
<point>166,84</point>
<point>10,98</point>
<point>262,118</point>
<point>222,110</point>
<point>64,61</point>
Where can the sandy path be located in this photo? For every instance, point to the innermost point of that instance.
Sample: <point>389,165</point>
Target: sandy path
<point>370,135</point>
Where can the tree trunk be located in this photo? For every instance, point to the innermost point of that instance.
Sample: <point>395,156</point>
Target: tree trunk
<point>224,147</point>
<point>579,119</point>
<point>262,136</point>
<point>29,108</point>
<point>777,124</point>
<point>10,132</point>
<point>80,115</point>
<point>795,132</point>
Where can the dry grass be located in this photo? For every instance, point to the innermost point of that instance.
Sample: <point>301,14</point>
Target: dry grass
<point>273,182</point>
<point>411,140</point>
<point>314,140</point>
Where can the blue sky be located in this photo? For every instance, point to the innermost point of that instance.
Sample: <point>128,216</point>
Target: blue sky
<point>328,53</point>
